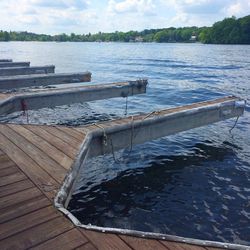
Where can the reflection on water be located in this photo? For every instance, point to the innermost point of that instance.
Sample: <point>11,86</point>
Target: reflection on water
<point>194,184</point>
<point>169,194</point>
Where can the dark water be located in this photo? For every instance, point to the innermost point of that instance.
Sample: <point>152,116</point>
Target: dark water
<point>194,184</point>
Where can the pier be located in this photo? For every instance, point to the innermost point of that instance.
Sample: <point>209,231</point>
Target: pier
<point>37,99</point>
<point>24,81</point>
<point>7,63</point>
<point>27,70</point>
<point>40,164</point>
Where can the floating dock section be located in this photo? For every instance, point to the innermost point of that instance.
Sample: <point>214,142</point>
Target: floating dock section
<point>5,60</point>
<point>10,103</point>
<point>8,64</point>
<point>24,81</point>
<point>27,70</point>
<point>40,164</point>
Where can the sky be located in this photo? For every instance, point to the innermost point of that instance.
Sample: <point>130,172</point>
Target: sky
<point>84,16</point>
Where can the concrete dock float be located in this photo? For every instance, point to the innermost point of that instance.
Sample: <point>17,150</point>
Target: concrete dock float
<point>27,70</point>
<point>14,82</point>
<point>9,64</point>
<point>5,60</point>
<point>39,165</point>
<point>12,102</point>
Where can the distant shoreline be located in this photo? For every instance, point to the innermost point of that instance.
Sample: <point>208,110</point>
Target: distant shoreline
<point>117,42</point>
<point>229,31</point>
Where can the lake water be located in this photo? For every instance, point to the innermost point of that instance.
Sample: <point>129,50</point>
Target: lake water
<point>193,184</point>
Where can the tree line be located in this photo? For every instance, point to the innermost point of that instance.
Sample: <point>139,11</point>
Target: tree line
<point>228,31</point>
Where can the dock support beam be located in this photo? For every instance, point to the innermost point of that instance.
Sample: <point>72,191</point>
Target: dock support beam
<point>164,123</point>
<point>52,98</point>
<point>27,70</point>
<point>5,60</point>
<point>13,82</point>
<point>9,64</point>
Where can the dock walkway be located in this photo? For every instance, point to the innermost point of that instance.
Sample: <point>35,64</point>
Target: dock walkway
<point>34,161</point>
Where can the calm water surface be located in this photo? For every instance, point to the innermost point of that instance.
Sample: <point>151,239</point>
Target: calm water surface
<point>193,184</point>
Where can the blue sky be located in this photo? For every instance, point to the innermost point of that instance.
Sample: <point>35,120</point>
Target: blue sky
<point>83,16</point>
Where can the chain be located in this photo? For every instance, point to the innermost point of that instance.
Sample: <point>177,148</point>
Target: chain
<point>230,130</point>
<point>126,106</point>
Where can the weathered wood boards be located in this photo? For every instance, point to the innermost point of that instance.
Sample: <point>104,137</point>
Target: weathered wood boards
<point>57,97</point>
<point>27,217</point>
<point>13,82</point>
<point>14,64</point>
<point>27,70</point>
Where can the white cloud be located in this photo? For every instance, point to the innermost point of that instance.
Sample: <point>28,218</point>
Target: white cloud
<point>83,16</point>
<point>61,4</point>
<point>131,6</point>
<point>45,15</point>
<point>205,12</point>
<point>238,8</point>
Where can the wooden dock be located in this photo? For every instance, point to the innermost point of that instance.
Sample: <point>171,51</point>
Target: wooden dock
<point>34,161</point>
<point>37,160</point>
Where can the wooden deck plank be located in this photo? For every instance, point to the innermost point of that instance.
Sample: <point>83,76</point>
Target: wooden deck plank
<point>181,246</point>
<point>38,176</point>
<point>84,129</point>
<point>53,140</point>
<point>55,170</point>
<point>5,162</point>
<point>40,233</point>
<point>87,246</point>
<point>4,159</point>
<point>6,180</point>
<point>27,221</point>
<point>105,241</point>
<point>46,147</point>
<point>18,197</point>
<point>72,132</point>
<point>68,240</point>
<point>8,171</point>
<point>142,243</point>
<point>75,143</point>
<point>23,208</point>
<point>15,187</point>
